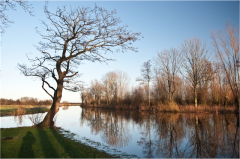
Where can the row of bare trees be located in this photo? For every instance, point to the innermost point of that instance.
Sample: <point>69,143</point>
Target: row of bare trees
<point>25,101</point>
<point>189,64</point>
<point>110,90</point>
<point>189,74</point>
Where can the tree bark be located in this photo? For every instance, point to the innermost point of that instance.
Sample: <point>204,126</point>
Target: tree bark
<point>195,96</point>
<point>99,101</point>
<point>149,96</point>
<point>48,120</point>
<point>237,102</point>
<point>169,89</point>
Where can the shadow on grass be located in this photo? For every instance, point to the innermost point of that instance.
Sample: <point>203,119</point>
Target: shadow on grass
<point>47,146</point>
<point>67,146</point>
<point>78,150</point>
<point>26,150</point>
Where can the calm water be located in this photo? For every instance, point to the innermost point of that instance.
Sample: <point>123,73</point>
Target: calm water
<point>145,134</point>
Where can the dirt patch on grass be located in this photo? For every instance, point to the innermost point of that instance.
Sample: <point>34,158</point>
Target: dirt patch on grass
<point>8,138</point>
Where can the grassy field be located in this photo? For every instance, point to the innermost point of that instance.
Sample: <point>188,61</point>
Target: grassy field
<point>25,109</point>
<point>33,142</point>
<point>7,107</point>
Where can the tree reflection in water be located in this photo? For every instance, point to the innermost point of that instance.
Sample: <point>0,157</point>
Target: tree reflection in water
<point>200,144</point>
<point>110,124</point>
<point>169,132</point>
<point>168,135</point>
<point>146,141</point>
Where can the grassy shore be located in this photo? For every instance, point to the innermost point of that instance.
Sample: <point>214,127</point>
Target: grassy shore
<point>27,109</point>
<point>33,142</point>
<point>21,110</point>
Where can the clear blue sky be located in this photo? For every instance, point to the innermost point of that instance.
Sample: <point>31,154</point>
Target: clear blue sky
<point>163,25</point>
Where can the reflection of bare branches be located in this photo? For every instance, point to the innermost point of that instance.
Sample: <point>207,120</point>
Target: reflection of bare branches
<point>36,118</point>
<point>111,126</point>
<point>96,122</point>
<point>93,118</point>
<point>115,132</point>
<point>146,142</point>
<point>201,143</point>
<point>167,134</point>
<point>18,119</point>
<point>148,147</point>
<point>170,132</point>
<point>18,115</point>
<point>232,128</point>
<point>167,146</point>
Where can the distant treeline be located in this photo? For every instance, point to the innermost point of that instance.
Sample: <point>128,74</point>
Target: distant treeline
<point>26,101</point>
<point>113,90</point>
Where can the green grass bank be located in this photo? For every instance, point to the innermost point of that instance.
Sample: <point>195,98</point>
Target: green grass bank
<point>23,111</point>
<point>31,142</point>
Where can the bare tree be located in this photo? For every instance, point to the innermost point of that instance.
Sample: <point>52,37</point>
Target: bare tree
<point>227,48</point>
<point>146,76</point>
<point>86,97</point>
<point>110,85</point>
<point>167,63</point>
<point>122,82</point>
<point>194,64</point>
<point>96,89</point>
<point>11,4</point>
<point>160,88</point>
<point>75,35</point>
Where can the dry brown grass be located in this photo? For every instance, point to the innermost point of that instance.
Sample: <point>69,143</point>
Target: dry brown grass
<point>143,106</point>
<point>207,109</point>
<point>125,107</point>
<point>69,104</point>
<point>170,107</point>
<point>19,111</point>
<point>5,107</point>
<point>65,103</point>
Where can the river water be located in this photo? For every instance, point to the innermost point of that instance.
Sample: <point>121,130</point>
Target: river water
<point>143,134</point>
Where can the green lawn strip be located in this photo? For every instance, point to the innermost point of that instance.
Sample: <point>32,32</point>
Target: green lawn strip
<point>5,107</point>
<point>33,142</point>
<point>7,112</point>
<point>27,111</point>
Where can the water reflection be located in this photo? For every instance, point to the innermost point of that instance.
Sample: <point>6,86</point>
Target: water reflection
<point>65,107</point>
<point>146,139</point>
<point>167,134</point>
<point>200,142</point>
<point>21,120</point>
<point>161,135</point>
<point>170,132</point>
<point>111,126</point>
<point>18,120</point>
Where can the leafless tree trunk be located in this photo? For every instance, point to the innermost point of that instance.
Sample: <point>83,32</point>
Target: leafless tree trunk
<point>167,63</point>
<point>110,85</point>
<point>96,89</point>
<point>122,82</point>
<point>146,76</point>
<point>195,66</point>
<point>75,35</point>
